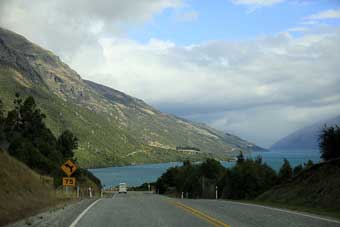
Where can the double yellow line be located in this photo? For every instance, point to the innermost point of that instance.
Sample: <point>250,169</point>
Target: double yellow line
<point>200,214</point>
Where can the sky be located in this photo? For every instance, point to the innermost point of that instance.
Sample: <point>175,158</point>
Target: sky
<point>259,69</point>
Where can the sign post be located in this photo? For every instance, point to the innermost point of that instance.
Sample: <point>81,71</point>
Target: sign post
<point>69,181</point>
<point>69,168</point>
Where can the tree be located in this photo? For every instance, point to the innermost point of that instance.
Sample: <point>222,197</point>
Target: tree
<point>67,143</point>
<point>1,111</point>
<point>186,163</point>
<point>247,180</point>
<point>258,159</point>
<point>211,168</point>
<point>297,169</point>
<point>308,164</point>
<point>329,143</point>
<point>285,172</point>
<point>240,158</point>
<point>2,120</point>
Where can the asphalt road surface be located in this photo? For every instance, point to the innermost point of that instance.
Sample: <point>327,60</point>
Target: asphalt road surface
<point>145,209</point>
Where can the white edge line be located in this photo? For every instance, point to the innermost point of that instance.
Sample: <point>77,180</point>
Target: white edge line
<point>287,211</point>
<point>75,222</point>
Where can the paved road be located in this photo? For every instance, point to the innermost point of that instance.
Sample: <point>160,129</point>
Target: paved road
<point>144,209</point>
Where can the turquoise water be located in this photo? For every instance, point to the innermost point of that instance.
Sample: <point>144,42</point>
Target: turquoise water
<point>139,174</point>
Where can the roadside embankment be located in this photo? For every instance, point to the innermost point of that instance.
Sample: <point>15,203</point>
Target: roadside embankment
<point>317,188</point>
<point>23,192</point>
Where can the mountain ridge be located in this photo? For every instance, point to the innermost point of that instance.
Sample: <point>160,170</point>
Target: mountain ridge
<point>306,137</point>
<point>113,128</point>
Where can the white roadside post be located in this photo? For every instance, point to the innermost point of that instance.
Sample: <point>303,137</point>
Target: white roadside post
<point>78,189</point>
<point>182,195</point>
<point>216,193</point>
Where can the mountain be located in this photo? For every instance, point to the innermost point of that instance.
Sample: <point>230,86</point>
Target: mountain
<point>113,128</point>
<point>305,138</point>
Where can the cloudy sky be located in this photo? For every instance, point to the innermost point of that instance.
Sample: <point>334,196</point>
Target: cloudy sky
<point>256,68</point>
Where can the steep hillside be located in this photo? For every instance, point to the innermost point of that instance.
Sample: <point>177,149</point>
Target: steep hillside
<point>316,187</point>
<point>113,128</point>
<point>305,138</point>
<point>22,192</point>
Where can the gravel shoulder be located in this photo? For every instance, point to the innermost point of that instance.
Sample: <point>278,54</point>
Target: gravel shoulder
<point>55,217</point>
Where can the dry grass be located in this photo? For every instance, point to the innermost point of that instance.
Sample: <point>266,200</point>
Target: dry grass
<point>22,191</point>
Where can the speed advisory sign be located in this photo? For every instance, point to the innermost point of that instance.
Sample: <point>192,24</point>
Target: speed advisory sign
<point>69,181</point>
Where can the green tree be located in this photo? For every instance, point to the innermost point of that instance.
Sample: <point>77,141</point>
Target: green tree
<point>297,169</point>
<point>240,158</point>
<point>329,142</point>
<point>211,168</point>
<point>67,143</point>
<point>2,120</point>
<point>2,112</point>
<point>29,139</point>
<point>308,164</point>
<point>247,180</point>
<point>168,180</point>
<point>285,172</point>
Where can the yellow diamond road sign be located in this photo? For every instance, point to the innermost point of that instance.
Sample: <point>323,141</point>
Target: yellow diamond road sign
<point>69,181</point>
<point>69,167</point>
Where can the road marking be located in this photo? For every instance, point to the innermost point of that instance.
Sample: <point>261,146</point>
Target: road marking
<point>75,222</point>
<point>114,195</point>
<point>200,214</point>
<point>287,211</point>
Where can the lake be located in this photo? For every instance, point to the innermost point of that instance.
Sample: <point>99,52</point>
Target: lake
<point>138,174</point>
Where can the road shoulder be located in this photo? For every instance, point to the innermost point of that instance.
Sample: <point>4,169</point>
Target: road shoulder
<point>61,216</point>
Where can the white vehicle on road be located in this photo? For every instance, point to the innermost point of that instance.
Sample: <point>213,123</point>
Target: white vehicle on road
<point>122,188</point>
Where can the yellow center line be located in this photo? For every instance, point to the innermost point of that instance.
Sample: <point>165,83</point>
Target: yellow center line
<point>200,214</point>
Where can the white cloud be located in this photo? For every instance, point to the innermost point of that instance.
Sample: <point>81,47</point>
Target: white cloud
<point>328,14</point>
<point>298,29</point>
<point>188,16</point>
<point>274,84</point>
<point>64,26</point>
<point>257,2</point>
